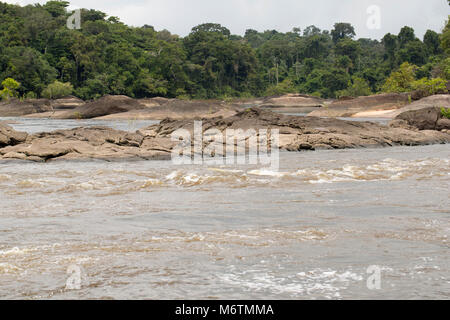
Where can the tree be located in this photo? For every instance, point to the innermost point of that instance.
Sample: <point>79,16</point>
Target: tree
<point>445,38</point>
<point>401,80</point>
<point>315,46</point>
<point>389,42</point>
<point>10,87</point>
<point>282,88</point>
<point>406,35</point>
<point>349,48</point>
<point>57,90</point>
<point>344,62</point>
<point>108,57</point>
<point>311,31</point>
<point>414,52</point>
<point>432,43</point>
<point>56,8</point>
<point>211,27</point>
<point>29,67</point>
<point>359,87</point>
<point>342,31</point>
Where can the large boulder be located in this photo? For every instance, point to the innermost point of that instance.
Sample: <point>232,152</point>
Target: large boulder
<point>358,106</point>
<point>430,118</point>
<point>17,108</point>
<point>104,106</point>
<point>9,136</point>
<point>435,101</point>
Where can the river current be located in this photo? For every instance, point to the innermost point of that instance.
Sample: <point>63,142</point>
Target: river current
<point>155,230</point>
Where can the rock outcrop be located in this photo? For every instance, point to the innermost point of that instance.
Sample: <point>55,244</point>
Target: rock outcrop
<point>430,118</point>
<point>9,136</point>
<point>67,103</point>
<point>154,102</point>
<point>353,107</point>
<point>17,108</point>
<point>435,101</point>
<point>88,143</point>
<point>104,106</point>
<point>155,142</point>
<point>298,103</point>
<point>179,109</point>
<point>311,133</point>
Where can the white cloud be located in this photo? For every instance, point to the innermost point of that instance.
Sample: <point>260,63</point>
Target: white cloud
<point>238,15</point>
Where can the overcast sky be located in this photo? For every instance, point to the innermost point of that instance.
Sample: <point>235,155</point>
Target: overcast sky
<point>179,16</point>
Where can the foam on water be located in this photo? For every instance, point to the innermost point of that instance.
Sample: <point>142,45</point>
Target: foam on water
<point>317,283</point>
<point>151,230</point>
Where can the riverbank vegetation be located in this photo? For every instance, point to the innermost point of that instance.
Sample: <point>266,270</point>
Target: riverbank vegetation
<point>46,59</point>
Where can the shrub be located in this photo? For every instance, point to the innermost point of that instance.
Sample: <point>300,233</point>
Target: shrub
<point>57,90</point>
<point>282,88</point>
<point>400,80</point>
<point>430,86</point>
<point>445,112</point>
<point>10,87</point>
<point>30,95</point>
<point>358,88</point>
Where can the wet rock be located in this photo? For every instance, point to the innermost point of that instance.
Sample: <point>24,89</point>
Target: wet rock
<point>312,133</point>
<point>400,123</point>
<point>425,119</point>
<point>437,101</point>
<point>156,142</point>
<point>9,136</point>
<point>82,143</point>
<point>443,124</point>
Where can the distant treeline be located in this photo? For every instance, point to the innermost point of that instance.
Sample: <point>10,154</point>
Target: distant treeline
<point>105,56</point>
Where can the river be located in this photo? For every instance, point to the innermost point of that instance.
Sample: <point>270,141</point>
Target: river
<point>154,230</point>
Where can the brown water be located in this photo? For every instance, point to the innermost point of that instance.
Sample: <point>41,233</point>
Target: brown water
<point>152,230</point>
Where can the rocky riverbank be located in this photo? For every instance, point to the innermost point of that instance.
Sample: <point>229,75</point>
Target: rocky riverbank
<point>154,142</point>
<point>125,108</point>
<point>388,105</point>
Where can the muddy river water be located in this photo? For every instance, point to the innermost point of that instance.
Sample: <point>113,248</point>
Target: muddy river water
<point>154,230</point>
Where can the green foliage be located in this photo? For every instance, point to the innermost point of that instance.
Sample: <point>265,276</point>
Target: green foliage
<point>56,8</point>
<point>445,38</point>
<point>342,31</point>
<point>9,90</point>
<point>445,68</point>
<point>359,87</point>
<point>445,112</point>
<point>282,88</point>
<point>30,95</point>
<point>108,57</point>
<point>430,86</point>
<point>401,80</point>
<point>413,52</point>
<point>406,35</point>
<point>432,42</point>
<point>57,90</point>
